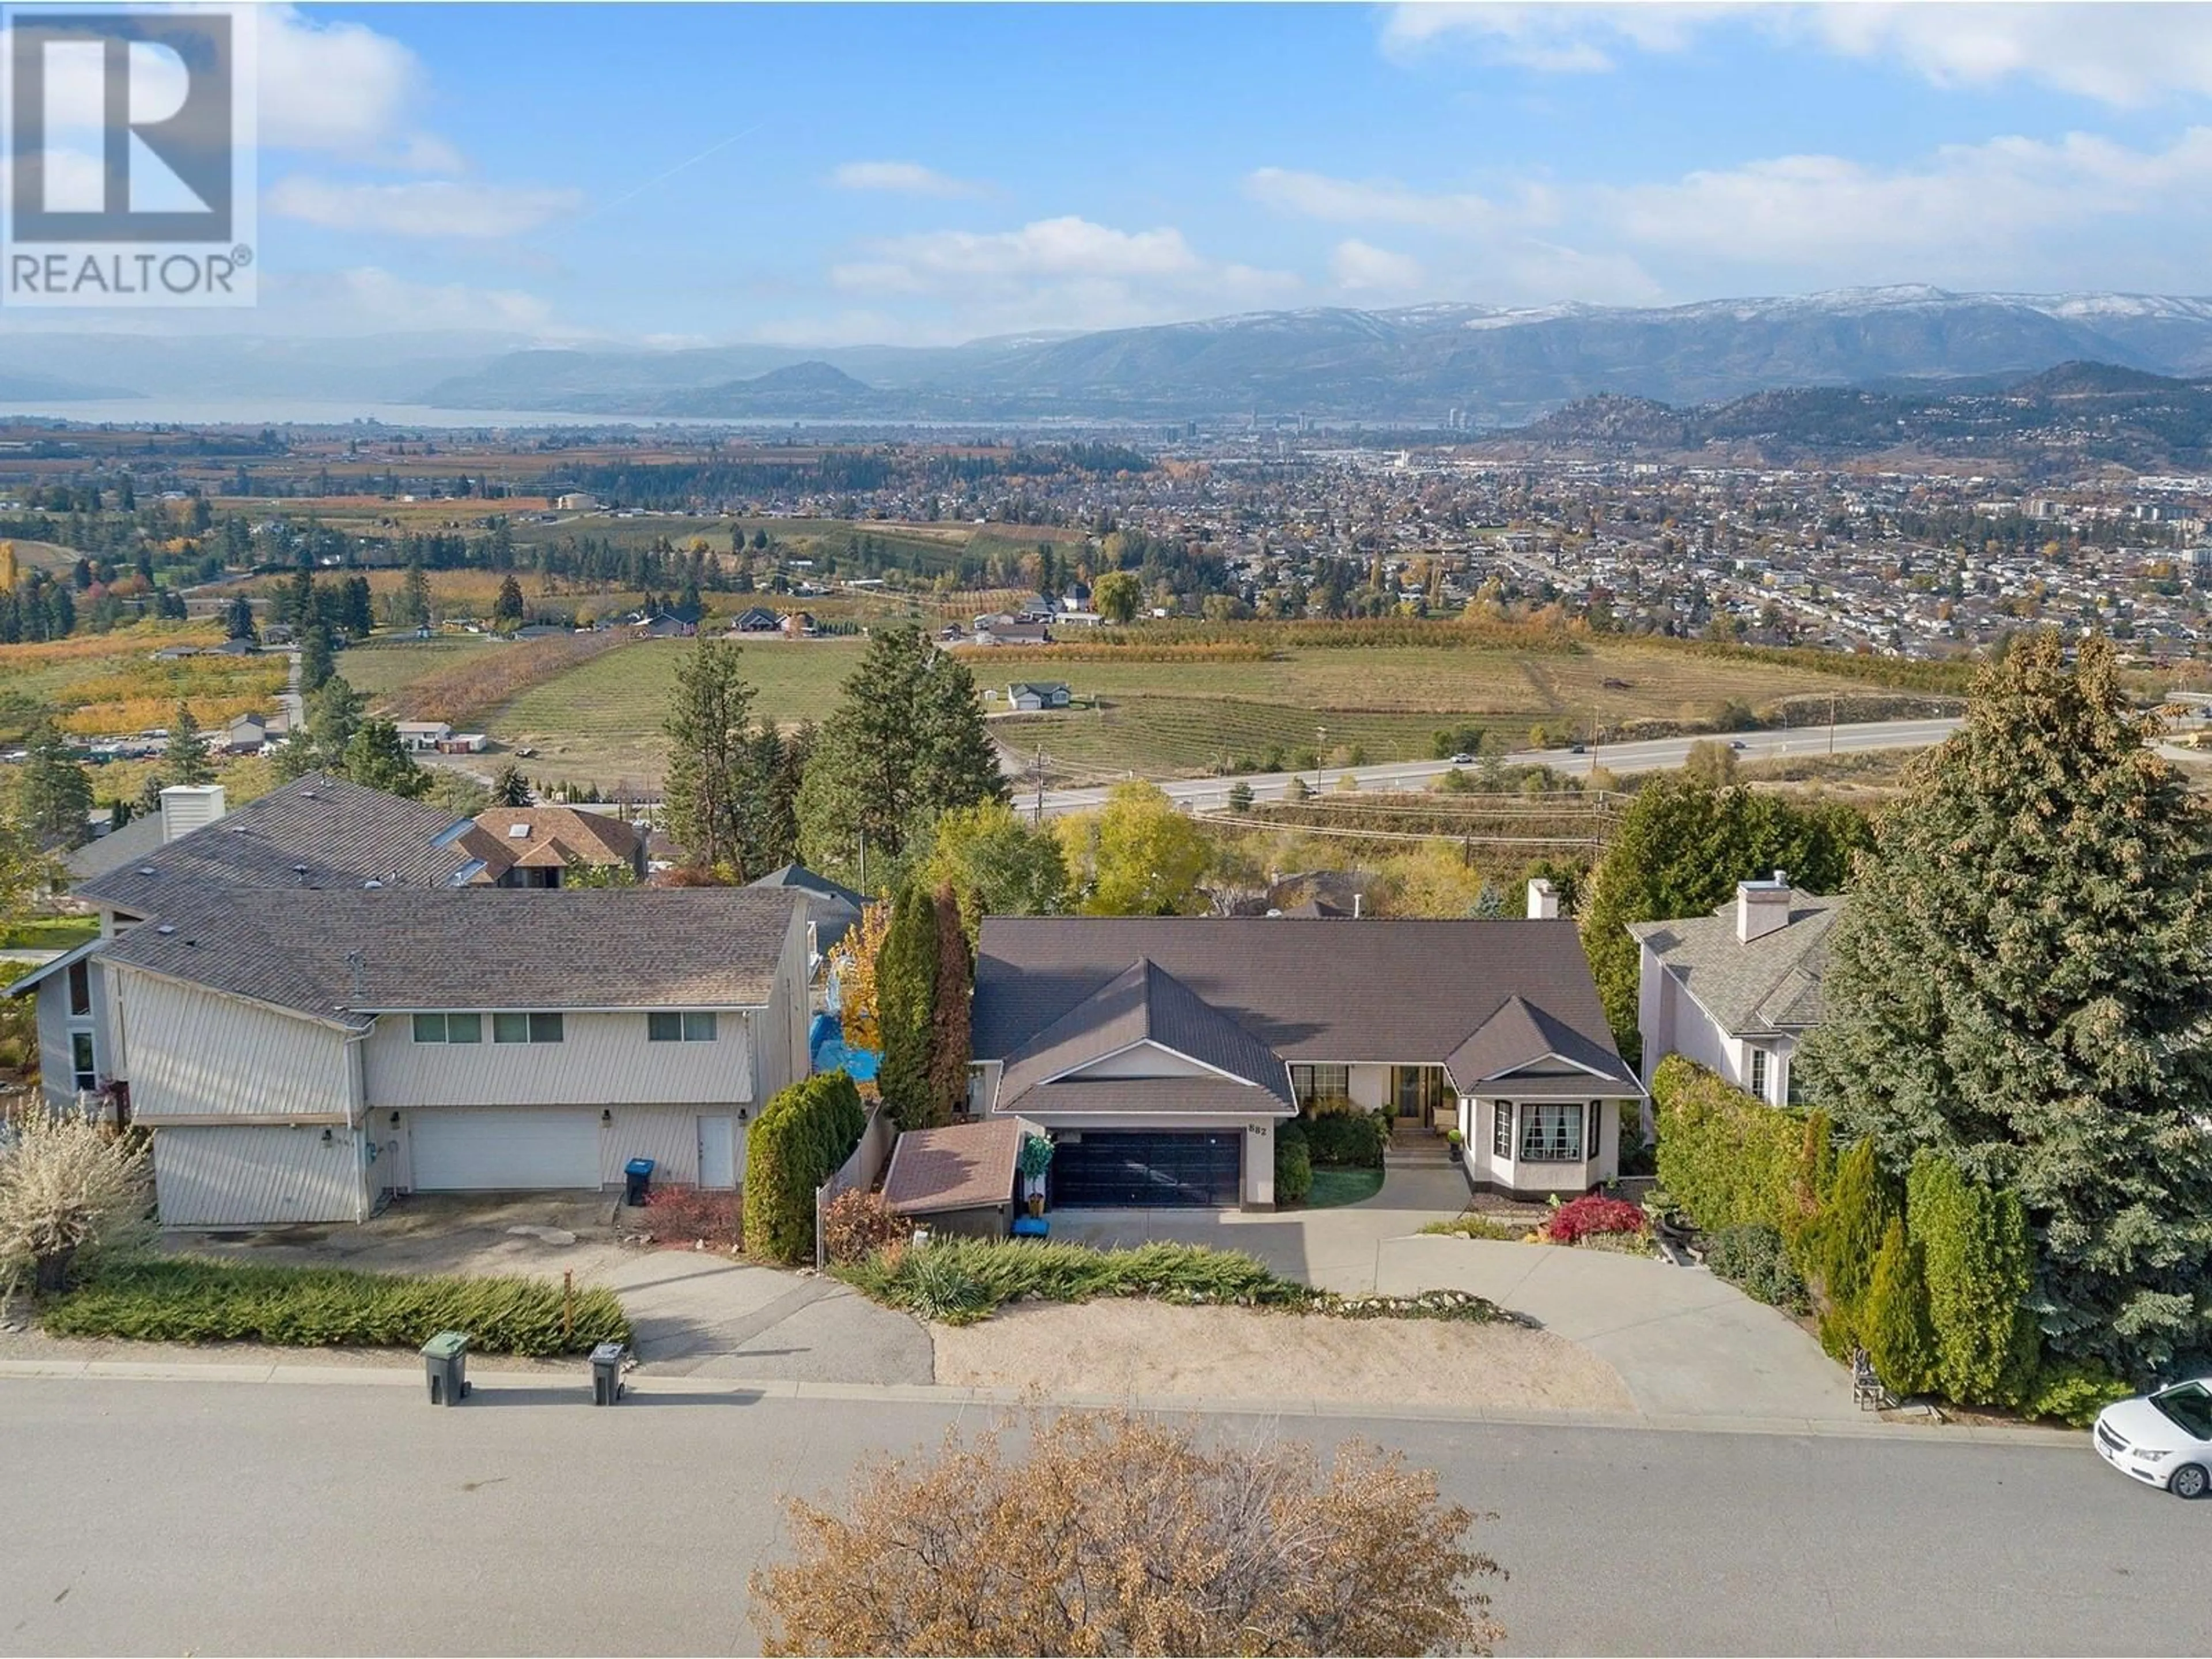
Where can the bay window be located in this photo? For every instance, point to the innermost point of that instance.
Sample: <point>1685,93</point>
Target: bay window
<point>1550,1133</point>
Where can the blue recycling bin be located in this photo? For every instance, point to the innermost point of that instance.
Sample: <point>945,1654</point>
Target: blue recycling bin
<point>639,1182</point>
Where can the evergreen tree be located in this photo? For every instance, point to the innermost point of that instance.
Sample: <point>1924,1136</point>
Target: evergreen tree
<point>238,620</point>
<point>316,662</point>
<point>375,759</point>
<point>1680,850</point>
<point>415,595</point>
<point>54,796</point>
<point>334,715</point>
<point>712,756</point>
<point>509,787</point>
<point>149,794</point>
<point>507,608</point>
<point>905,743</point>
<point>2020,984</point>
<point>1979,1271</point>
<point>1899,1342</point>
<point>906,1000</point>
<point>188,760</point>
<point>950,1039</point>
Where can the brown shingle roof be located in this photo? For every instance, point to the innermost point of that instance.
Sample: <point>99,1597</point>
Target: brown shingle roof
<point>962,1166</point>
<point>555,832</point>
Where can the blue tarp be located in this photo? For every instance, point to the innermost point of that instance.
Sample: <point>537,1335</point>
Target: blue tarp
<point>825,1045</point>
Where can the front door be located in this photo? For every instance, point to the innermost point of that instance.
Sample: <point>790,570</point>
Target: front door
<point>718,1152</point>
<point>1414,1091</point>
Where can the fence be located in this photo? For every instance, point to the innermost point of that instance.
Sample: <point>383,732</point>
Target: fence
<point>863,1169</point>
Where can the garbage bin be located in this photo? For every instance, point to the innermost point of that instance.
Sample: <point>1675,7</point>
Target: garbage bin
<point>606,1373</point>
<point>446,1363</point>
<point>640,1173</point>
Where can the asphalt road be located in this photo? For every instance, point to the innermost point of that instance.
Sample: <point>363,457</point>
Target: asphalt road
<point>218,1517</point>
<point>1206,794</point>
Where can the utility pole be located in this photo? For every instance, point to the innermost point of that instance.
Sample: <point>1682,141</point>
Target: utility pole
<point>1320,755</point>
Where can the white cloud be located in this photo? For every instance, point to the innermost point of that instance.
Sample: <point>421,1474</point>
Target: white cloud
<point>434,207</point>
<point>2124,54</point>
<point>1358,267</point>
<point>368,299</point>
<point>907,178</point>
<point>334,86</point>
<point>1822,212</point>
<point>1351,202</point>
<point>1066,272</point>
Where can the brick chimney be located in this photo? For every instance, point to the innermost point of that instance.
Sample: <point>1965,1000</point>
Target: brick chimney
<point>1761,907</point>
<point>1543,901</point>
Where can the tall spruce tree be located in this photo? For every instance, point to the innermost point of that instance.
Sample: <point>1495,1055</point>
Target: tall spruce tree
<point>54,796</point>
<point>187,753</point>
<point>952,1043</point>
<point>906,999</point>
<point>2021,983</point>
<point>905,743</point>
<point>713,759</point>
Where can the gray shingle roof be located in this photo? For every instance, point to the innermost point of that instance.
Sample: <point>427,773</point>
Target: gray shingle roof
<point>960,1166</point>
<point>344,834</point>
<point>1522,1040</point>
<point>1144,1003</point>
<point>1173,1097</point>
<point>1403,991</point>
<point>343,955</point>
<point>1770,983</point>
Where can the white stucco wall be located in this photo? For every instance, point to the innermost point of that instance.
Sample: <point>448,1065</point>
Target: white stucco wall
<point>1478,1121</point>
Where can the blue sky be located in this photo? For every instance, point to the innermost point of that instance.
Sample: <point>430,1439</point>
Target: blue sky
<point>830,174</point>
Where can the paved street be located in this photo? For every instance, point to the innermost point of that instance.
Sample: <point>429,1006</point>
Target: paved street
<point>1211,794</point>
<point>161,1516</point>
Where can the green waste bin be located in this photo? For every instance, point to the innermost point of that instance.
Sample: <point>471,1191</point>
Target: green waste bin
<point>445,1364</point>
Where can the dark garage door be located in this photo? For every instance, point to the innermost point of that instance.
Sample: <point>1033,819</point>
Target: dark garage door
<point>1154,1171</point>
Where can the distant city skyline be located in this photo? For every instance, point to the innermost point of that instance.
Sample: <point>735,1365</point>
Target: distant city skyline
<point>927,175</point>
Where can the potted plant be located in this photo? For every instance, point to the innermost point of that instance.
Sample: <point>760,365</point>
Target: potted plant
<point>1032,1161</point>
<point>1454,1139</point>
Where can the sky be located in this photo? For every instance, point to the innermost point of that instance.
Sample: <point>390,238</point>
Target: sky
<point>839,174</point>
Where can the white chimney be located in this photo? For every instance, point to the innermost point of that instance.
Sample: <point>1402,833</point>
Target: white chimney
<point>1543,901</point>
<point>189,806</point>
<point>1761,907</point>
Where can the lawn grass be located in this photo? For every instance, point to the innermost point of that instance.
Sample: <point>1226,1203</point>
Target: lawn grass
<point>48,933</point>
<point>187,1300</point>
<point>1334,1187</point>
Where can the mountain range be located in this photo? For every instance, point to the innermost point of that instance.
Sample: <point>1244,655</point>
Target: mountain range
<point>1500,367</point>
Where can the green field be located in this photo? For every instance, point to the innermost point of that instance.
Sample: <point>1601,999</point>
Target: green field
<point>601,722</point>
<point>380,667</point>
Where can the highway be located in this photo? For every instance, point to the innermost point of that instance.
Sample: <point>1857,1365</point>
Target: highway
<point>1212,795</point>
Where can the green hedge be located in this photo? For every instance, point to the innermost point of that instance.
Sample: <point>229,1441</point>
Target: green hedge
<point>1293,1164</point>
<point>799,1140</point>
<point>1978,1269</point>
<point>1346,1141</point>
<point>1730,1161</point>
<point>184,1300</point>
<point>1753,1258</point>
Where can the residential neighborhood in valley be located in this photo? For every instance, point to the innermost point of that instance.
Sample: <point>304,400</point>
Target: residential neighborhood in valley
<point>1200,886</point>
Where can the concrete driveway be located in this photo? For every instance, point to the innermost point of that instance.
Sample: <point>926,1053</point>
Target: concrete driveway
<point>1687,1345</point>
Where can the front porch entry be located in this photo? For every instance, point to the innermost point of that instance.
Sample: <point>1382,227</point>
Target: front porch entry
<point>1419,1094</point>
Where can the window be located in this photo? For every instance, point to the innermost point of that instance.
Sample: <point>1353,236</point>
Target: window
<point>449,1028</point>
<point>1501,1130</point>
<point>526,1028</point>
<point>679,1028</point>
<point>2188,1407</point>
<point>1550,1134</point>
<point>1758,1072</point>
<point>1312,1083</point>
<point>80,988</point>
<point>87,1074</point>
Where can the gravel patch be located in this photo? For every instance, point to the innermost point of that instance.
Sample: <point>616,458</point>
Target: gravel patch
<point>1155,1348</point>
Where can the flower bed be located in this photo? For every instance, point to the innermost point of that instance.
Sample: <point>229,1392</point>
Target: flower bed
<point>1592,1215</point>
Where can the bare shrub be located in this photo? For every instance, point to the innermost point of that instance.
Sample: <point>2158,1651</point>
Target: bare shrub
<point>69,1187</point>
<point>1107,1532</point>
<point>857,1224</point>
<point>691,1216</point>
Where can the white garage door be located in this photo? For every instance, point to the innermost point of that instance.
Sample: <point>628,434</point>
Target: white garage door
<point>495,1151</point>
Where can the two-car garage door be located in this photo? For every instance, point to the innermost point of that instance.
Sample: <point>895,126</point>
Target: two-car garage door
<point>1151,1169</point>
<point>504,1149</point>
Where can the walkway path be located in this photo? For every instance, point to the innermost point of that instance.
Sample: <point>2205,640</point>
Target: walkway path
<point>704,1315</point>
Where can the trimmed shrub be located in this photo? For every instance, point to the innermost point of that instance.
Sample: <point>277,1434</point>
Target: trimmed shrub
<point>796,1144</point>
<point>2072,1391</point>
<point>1893,1320</point>
<point>1590,1215</point>
<point>1979,1268</point>
<point>185,1300</point>
<point>1475,1224</point>
<point>1729,1159</point>
<point>906,999</point>
<point>1844,1243</point>
<point>1293,1164</point>
<point>1342,1140</point>
<point>1753,1258</point>
<point>857,1224</point>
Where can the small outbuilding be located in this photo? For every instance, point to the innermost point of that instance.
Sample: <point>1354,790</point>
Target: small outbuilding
<point>958,1179</point>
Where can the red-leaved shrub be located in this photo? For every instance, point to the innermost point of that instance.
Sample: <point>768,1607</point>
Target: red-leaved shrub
<point>857,1224</point>
<point>687,1216</point>
<point>1593,1212</point>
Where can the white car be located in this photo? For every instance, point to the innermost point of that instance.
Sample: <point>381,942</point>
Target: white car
<point>2163,1439</point>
